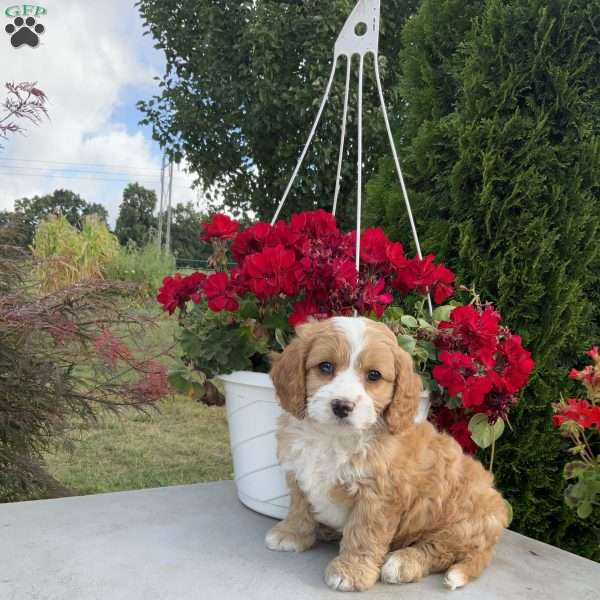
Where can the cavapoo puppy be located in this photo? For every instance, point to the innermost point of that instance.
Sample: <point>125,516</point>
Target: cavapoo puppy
<point>403,497</point>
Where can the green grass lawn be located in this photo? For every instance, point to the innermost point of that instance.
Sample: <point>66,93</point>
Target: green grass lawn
<point>181,441</point>
<point>186,442</point>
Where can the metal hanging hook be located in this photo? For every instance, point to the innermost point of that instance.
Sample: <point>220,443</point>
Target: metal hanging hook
<point>359,36</point>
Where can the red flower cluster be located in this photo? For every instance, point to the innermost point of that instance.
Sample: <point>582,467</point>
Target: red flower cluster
<point>220,228</point>
<point>219,293</point>
<point>590,375</point>
<point>312,263</point>
<point>177,291</point>
<point>580,411</point>
<point>480,362</point>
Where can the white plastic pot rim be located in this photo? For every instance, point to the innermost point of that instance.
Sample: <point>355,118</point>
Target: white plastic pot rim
<point>250,378</point>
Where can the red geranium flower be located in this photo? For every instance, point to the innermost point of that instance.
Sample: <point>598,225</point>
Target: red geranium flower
<point>317,224</point>
<point>221,227</point>
<point>395,255</point>
<point>373,246</point>
<point>219,294</point>
<point>374,298</point>
<point>579,411</point>
<point>250,241</point>
<point>460,432</point>
<point>302,311</point>
<point>476,329</point>
<point>519,363</point>
<point>271,272</point>
<point>344,273</point>
<point>452,372</point>
<point>475,390</point>
<point>421,275</point>
<point>176,291</point>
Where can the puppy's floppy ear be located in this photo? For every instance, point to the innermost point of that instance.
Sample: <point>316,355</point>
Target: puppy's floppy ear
<point>288,372</point>
<point>402,410</point>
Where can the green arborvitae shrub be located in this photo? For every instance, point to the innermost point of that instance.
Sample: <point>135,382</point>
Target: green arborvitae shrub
<point>501,148</point>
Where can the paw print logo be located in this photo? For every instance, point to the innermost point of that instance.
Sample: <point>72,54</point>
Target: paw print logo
<point>24,31</point>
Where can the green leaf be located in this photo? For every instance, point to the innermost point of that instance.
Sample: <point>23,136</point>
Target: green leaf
<point>577,490</point>
<point>409,321</point>
<point>420,353</point>
<point>393,313</point>
<point>574,469</point>
<point>483,433</point>
<point>186,380</point>
<point>424,324</point>
<point>275,321</point>
<point>249,309</point>
<point>442,313</point>
<point>430,348</point>
<point>408,343</point>
<point>584,510</point>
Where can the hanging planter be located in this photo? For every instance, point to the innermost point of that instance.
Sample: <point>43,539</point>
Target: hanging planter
<point>288,272</point>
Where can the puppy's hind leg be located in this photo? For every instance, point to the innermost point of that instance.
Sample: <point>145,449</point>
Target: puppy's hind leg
<point>414,562</point>
<point>467,569</point>
<point>464,548</point>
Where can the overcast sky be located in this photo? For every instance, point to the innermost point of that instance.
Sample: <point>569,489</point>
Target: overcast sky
<point>94,64</point>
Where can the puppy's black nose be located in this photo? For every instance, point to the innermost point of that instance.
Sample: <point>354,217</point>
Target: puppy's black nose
<point>342,408</point>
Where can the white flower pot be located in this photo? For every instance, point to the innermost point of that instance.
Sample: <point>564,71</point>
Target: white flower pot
<point>252,412</point>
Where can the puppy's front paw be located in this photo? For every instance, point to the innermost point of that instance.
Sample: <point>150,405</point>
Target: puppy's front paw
<point>282,540</point>
<point>347,576</point>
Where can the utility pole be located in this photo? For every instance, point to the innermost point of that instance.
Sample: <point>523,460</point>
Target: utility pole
<point>170,197</point>
<point>163,166</point>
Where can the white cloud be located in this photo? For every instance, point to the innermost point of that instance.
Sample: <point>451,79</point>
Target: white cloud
<point>92,55</point>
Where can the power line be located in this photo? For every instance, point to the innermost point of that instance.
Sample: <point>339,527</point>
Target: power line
<point>79,164</point>
<point>46,169</point>
<point>115,180</point>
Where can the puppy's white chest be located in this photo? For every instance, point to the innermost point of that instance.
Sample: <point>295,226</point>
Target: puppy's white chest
<point>320,463</point>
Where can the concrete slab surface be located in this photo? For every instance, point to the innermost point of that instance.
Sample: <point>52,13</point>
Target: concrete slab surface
<point>198,542</point>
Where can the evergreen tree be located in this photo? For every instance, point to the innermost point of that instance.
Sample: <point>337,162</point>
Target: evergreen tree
<point>501,142</point>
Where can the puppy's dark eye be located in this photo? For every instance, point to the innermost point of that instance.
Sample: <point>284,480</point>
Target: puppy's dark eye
<point>326,367</point>
<point>373,375</point>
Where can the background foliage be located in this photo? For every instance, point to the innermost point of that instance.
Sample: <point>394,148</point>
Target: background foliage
<point>59,363</point>
<point>71,255</point>
<point>242,86</point>
<point>136,219</point>
<point>145,266</point>
<point>500,136</point>
<point>19,226</point>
